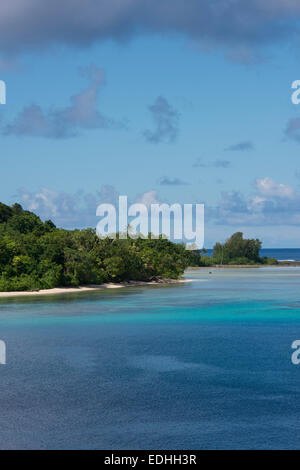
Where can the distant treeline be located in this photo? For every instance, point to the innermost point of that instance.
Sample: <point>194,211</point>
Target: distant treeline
<point>236,251</point>
<point>38,255</point>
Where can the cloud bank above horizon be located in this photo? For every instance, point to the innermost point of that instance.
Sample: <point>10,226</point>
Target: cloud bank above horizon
<point>270,204</point>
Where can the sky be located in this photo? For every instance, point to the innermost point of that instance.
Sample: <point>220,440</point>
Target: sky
<point>163,101</point>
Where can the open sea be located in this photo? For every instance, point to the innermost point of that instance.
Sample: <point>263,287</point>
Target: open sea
<point>198,365</point>
<point>281,254</point>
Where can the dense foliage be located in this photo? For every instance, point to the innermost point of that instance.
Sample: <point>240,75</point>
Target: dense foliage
<point>239,250</point>
<point>36,255</point>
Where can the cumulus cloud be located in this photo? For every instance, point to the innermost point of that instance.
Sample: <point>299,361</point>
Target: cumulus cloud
<point>166,181</point>
<point>165,119</point>
<point>271,204</point>
<point>31,23</point>
<point>77,210</point>
<point>67,210</point>
<point>244,146</point>
<point>82,113</point>
<point>148,198</point>
<point>268,187</point>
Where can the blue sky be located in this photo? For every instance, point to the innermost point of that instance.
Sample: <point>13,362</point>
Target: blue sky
<point>183,113</point>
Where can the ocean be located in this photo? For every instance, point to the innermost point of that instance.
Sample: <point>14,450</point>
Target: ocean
<point>281,254</point>
<point>198,365</point>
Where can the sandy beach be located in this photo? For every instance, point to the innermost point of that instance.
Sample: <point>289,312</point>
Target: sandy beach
<point>91,288</point>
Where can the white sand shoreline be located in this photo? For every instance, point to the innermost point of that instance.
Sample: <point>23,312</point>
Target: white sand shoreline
<point>91,288</point>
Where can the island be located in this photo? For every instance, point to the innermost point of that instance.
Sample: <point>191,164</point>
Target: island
<point>36,255</point>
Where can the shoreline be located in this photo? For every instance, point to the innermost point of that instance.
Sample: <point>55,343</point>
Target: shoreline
<point>90,288</point>
<point>120,285</point>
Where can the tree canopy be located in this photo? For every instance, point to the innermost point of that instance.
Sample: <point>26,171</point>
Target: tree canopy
<point>38,255</point>
<point>239,250</point>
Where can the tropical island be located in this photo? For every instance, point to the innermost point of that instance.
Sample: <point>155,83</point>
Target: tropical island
<point>237,251</point>
<point>37,255</point>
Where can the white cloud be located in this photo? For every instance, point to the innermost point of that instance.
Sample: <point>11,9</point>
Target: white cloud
<point>67,210</point>
<point>76,210</point>
<point>148,198</point>
<point>272,204</point>
<point>268,187</point>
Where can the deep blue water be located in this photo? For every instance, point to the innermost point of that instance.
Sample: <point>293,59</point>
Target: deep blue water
<point>281,254</point>
<point>201,365</point>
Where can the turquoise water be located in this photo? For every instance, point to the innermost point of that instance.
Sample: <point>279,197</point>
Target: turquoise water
<point>200,365</point>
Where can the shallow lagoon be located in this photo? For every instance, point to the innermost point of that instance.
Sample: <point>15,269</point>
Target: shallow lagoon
<point>201,365</point>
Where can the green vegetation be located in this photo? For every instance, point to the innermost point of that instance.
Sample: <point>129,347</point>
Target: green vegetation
<point>36,255</point>
<point>239,250</point>
<point>235,251</point>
